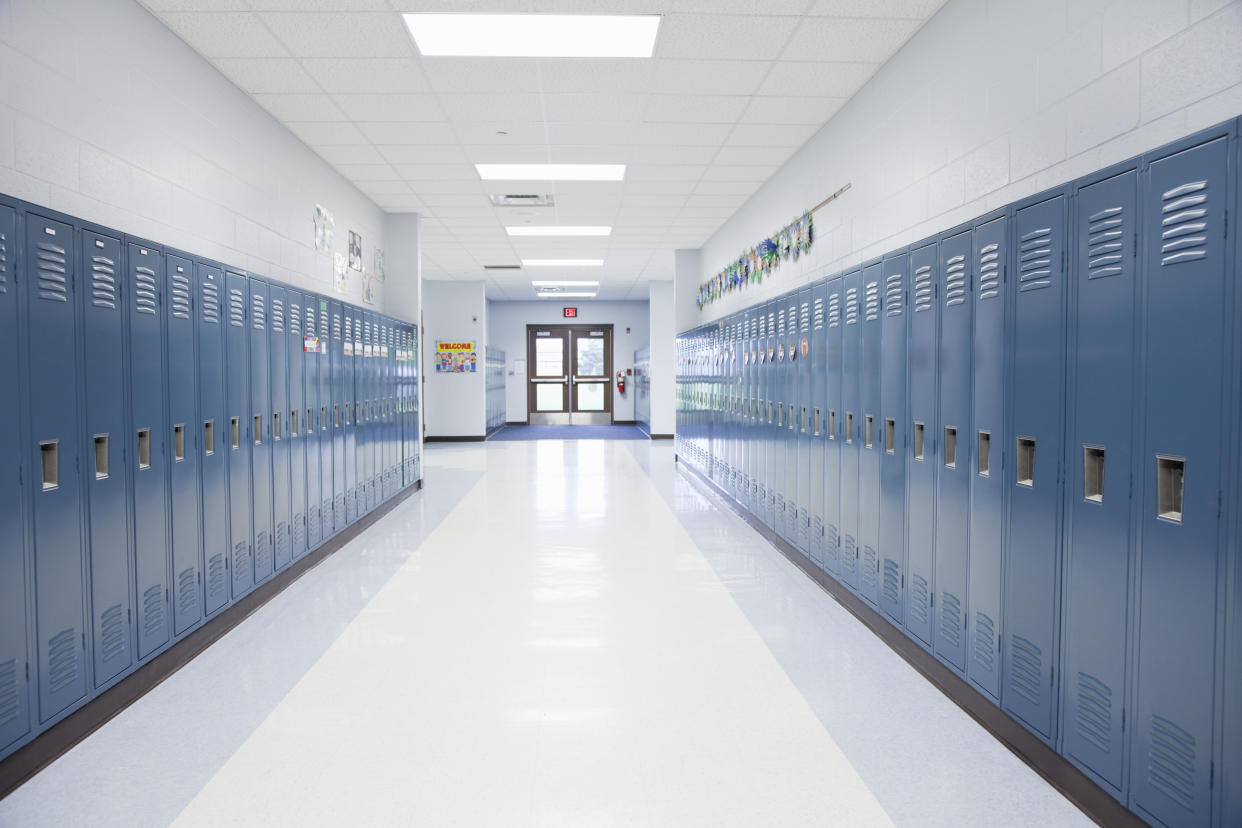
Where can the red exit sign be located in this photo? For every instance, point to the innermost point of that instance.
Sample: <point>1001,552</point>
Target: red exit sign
<point>571,313</point>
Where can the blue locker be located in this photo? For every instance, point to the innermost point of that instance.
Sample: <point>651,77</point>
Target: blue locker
<point>214,465</point>
<point>280,317</point>
<point>150,444</point>
<point>360,427</point>
<point>871,433</point>
<point>365,394</point>
<point>260,432</point>
<point>347,415</point>
<point>954,460</point>
<point>1187,279</point>
<point>299,423</point>
<point>751,430</point>
<point>56,527</point>
<point>237,433</point>
<point>107,474</point>
<point>786,326</point>
<point>310,378</point>
<point>850,428</point>
<point>832,445</point>
<point>805,423</point>
<point>336,359</point>
<point>182,395</point>
<point>385,366</point>
<point>326,516</point>
<point>1036,412</point>
<point>770,432</point>
<point>818,362</point>
<point>14,609</point>
<point>987,475</point>
<point>921,477</point>
<point>1099,516</point>
<point>415,426</point>
<point>895,427</point>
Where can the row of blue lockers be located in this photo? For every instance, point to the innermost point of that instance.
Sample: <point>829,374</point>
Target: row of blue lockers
<point>1017,440</point>
<point>494,365</point>
<point>178,432</point>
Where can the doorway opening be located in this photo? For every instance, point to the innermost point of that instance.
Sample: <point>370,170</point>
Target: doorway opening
<point>569,379</point>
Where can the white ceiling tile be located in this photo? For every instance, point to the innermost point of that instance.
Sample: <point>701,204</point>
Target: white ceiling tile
<point>451,76</point>
<point>742,188</point>
<point>370,75</point>
<point>723,37</point>
<point>583,107</point>
<point>327,132</point>
<point>714,201</point>
<point>517,107</point>
<point>665,172</point>
<point>438,200</point>
<point>673,155</point>
<point>398,200</point>
<point>401,154</point>
<point>591,134</point>
<point>921,9</point>
<point>782,110</point>
<point>474,187</point>
<point>506,154</point>
<point>319,34</point>
<point>438,172</point>
<point>394,133</point>
<point>319,5</point>
<point>817,80</point>
<point>358,172</point>
<point>639,189</point>
<point>682,134</point>
<point>770,135</point>
<point>350,154</point>
<point>516,134</point>
<point>161,6</point>
<point>796,7</point>
<point>300,107</point>
<point>383,186</point>
<point>224,34</point>
<point>866,40</point>
<point>697,109</point>
<point>671,200</point>
<point>708,77</point>
<point>267,75</point>
<point>754,173</point>
<point>595,76</point>
<point>747,156</point>
<point>590,154</point>
<point>414,108</point>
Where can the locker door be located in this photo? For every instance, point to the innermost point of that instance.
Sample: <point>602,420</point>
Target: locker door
<point>350,460</point>
<point>921,498</point>
<point>751,359</point>
<point>1098,559</point>
<point>260,431</point>
<point>336,358</point>
<point>365,441</point>
<point>14,608</point>
<point>299,424</point>
<point>894,429</point>
<point>832,446</point>
<point>151,457</point>
<point>805,426</point>
<point>770,431</point>
<point>1032,594</point>
<point>386,407</point>
<point>107,473</point>
<point>1186,279</point>
<point>786,325</point>
<point>53,453</point>
<point>326,470</point>
<point>214,448</point>
<point>987,473</point>
<point>872,435</point>
<point>237,430</point>
<point>359,416</point>
<point>954,459</point>
<point>183,433</point>
<point>415,424</point>
<point>280,429</point>
<point>310,376</point>
<point>850,428</point>
<point>818,413</point>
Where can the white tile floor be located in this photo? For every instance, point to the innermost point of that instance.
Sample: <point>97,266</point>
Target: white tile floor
<point>552,633</point>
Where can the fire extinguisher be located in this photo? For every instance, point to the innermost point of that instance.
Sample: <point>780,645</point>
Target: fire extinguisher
<point>620,382</point>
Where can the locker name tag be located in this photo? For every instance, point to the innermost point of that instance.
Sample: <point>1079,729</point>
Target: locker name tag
<point>349,348</point>
<point>366,351</point>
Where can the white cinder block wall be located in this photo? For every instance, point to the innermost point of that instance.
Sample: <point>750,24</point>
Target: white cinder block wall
<point>454,405</point>
<point>107,115</point>
<point>663,358</point>
<point>992,101</point>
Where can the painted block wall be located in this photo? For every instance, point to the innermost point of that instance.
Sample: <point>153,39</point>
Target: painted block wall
<point>663,358</point>
<point>990,101</point>
<point>506,329</point>
<point>454,405</point>
<point>108,115</point>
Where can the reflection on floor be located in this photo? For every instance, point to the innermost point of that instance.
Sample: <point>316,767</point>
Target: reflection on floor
<point>569,432</point>
<point>551,633</point>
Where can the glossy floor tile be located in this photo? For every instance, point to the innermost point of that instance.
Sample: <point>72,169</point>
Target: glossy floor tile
<point>551,633</point>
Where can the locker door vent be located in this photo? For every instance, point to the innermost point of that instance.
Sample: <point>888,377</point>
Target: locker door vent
<point>241,561</point>
<point>834,310</point>
<point>180,296</point>
<point>1185,224</point>
<point>153,609</point>
<point>310,321</point>
<point>112,632</point>
<point>258,312</point>
<point>336,326</point>
<point>851,306</point>
<point>871,302</point>
<point>955,281</point>
<point>4,264</point>
<point>53,269</point>
<point>210,305</point>
<point>891,585</point>
<point>1035,260</point>
<point>1105,239</point>
<point>849,553</point>
<point>833,538</point>
<point>323,325</point>
<point>299,531</point>
<point>282,539</point>
<point>923,289</point>
<point>262,550</point>
<point>869,570</point>
<point>1027,664</point>
<point>295,319</point>
<point>62,660</point>
<point>919,599</point>
<point>187,592</point>
<point>894,296</point>
<point>1171,762</point>
<point>278,316</point>
<point>237,308</point>
<point>146,295</point>
<point>985,641</point>
<point>8,691</point>
<point>103,282</point>
<point>950,618</point>
<point>817,316</point>
<point>1093,717</point>
<point>215,574</point>
<point>989,271</point>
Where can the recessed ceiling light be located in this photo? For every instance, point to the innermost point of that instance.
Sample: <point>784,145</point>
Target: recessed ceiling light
<point>534,35</point>
<point>562,262</point>
<point>564,284</point>
<point>558,231</point>
<point>568,295</point>
<point>551,172</point>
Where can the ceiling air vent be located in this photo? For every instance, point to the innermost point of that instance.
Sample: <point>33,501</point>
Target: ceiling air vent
<point>502,267</point>
<point>521,200</point>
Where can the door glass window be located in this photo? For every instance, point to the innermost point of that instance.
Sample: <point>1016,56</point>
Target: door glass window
<point>549,353</point>
<point>549,397</point>
<point>591,396</point>
<point>591,359</point>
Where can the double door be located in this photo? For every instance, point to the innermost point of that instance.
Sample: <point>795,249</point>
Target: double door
<point>570,374</point>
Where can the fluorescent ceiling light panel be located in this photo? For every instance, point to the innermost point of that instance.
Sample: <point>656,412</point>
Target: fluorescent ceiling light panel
<point>534,35</point>
<point>581,230</point>
<point>551,172</point>
<point>565,284</point>
<point>562,262</point>
<point>568,295</point>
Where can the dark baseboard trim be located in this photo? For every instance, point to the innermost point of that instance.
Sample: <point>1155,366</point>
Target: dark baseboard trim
<point>478,439</point>
<point>1058,771</point>
<point>31,758</point>
<point>625,422</point>
<point>516,422</point>
<point>660,436</point>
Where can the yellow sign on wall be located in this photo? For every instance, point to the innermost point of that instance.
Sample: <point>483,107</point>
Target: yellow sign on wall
<point>456,357</point>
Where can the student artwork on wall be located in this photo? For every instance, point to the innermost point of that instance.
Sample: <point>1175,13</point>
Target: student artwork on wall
<point>340,273</point>
<point>355,251</point>
<point>456,357</point>
<point>368,288</point>
<point>378,270</point>
<point>323,228</point>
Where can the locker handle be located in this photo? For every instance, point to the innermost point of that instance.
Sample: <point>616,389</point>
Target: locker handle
<point>1093,473</point>
<point>101,456</point>
<point>1170,486</point>
<point>849,427</point>
<point>918,441</point>
<point>235,432</point>
<point>49,453</point>
<point>868,425</point>
<point>1025,467</point>
<point>950,447</point>
<point>209,437</point>
<point>144,448</point>
<point>890,435</point>
<point>178,442</point>
<point>985,453</point>
<point>258,429</point>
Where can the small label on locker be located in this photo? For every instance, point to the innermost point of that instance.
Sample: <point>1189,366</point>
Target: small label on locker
<point>323,346</point>
<point>323,304</point>
<point>780,353</point>
<point>366,351</point>
<point>310,344</point>
<point>806,346</point>
<point>99,243</point>
<point>384,350</point>
<point>357,347</point>
<point>349,348</point>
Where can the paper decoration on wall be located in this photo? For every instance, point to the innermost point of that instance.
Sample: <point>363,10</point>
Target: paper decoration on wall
<point>456,358</point>
<point>379,266</point>
<point>340,273</point>
<point>761,260</point>
<point>368,288</point>
<point>323,228</point>
<point>355,251</point>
